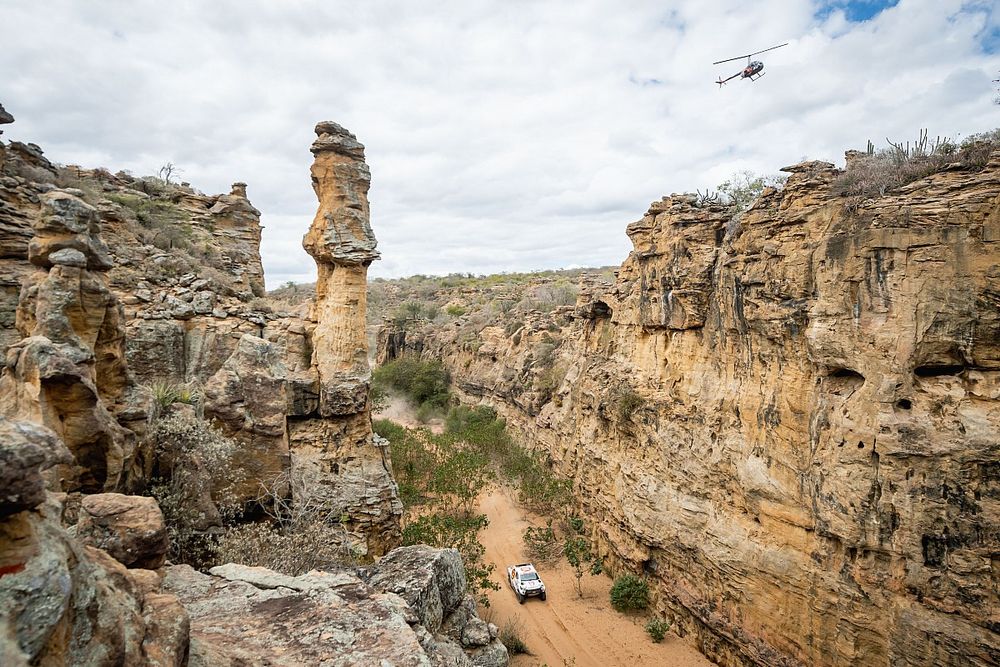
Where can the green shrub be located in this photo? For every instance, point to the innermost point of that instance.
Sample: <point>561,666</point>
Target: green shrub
<point>626,402</point>
<point>629,593</point>
<point>421,381</point>
<point>413,462</point>
<point>657,629</point>
<point>455,310</point>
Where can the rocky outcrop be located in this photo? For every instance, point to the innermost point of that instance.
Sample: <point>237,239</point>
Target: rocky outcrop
<point>63,603</point>
<point>68,372</point>
<point>333,445</point>
<point>789,423</point>
<point>410,609</point>
<point>129,528</point>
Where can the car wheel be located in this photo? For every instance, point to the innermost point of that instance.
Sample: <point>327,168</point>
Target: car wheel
<point>520,598</point>
<point>543,596</point>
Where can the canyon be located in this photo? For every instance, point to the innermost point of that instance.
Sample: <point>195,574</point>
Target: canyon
<point>130,304</point>
<point>785,420</point>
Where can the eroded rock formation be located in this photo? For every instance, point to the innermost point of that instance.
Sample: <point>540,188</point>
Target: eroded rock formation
<point>334,446</point>
<point>68,371</point>
<point>61,602</point>
<point>411,609</point>
<point>790,425</point>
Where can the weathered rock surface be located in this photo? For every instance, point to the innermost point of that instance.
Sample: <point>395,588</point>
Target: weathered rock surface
<point>129,528</point>
<point>253,616</point>
<point>63,603</point>
<point>355,475</point>
<point>791,427</point>
<point>111,285</point>
<point>69,372</point>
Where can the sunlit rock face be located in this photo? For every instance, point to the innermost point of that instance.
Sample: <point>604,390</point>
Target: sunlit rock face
<point>810,474</point>
<point>68,371</point>
<point>336,449</point>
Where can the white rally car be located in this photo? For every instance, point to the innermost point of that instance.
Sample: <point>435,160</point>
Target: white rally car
<point>524,579</point>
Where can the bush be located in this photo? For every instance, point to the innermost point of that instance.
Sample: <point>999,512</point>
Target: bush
<point>510,636</point>
<point>657,629</point>
<point>313,546</point>
<point>626,402</point>
<point>421,381</point>
<point>413,462</point>
<point>541,543</point>
<point>877,173</point>
<point>455,310</point>
<point>194,484</point>
<point>629,593</point>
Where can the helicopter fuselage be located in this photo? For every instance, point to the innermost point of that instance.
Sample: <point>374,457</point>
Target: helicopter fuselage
<point>751,70</point>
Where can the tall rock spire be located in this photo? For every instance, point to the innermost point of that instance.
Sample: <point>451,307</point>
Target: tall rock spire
<point>338,453</point>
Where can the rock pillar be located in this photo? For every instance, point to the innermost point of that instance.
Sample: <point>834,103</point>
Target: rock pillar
<point>337,454</point>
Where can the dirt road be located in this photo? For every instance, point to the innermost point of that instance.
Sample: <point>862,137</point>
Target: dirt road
<point>399,410</point>
<point>565,627</point>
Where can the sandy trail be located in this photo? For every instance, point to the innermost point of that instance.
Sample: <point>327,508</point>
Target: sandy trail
<point>399,410</point>
<point>565,627</point>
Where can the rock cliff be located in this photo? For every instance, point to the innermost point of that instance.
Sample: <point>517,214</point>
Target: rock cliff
<point>789,423</point>
<point>113,287</point>
<point>62,600</point>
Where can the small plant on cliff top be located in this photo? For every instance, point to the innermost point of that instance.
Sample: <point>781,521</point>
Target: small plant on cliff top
<point>629,593</point>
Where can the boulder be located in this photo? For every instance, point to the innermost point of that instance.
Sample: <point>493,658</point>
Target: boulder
<point>129,528</point>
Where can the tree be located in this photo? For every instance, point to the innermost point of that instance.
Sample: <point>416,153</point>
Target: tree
<point>463,475</point>
<point>168,171</point>
<point>578,553</point>
<point>742,188</point>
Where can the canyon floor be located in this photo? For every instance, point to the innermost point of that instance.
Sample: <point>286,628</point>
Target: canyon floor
<point>565,629</point>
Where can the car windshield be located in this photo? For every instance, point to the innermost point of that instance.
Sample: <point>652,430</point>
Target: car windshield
<point>530,576</point>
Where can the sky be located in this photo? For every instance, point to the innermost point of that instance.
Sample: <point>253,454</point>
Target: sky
<point>501,136</point>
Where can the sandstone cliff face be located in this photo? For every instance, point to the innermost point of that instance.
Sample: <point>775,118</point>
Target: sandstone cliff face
<point>792,429</point>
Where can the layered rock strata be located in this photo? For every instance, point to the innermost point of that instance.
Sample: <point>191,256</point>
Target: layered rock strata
<point>409,610</point>
<point>68,371</point>
<point>789,423</point>
<point>331,442</point>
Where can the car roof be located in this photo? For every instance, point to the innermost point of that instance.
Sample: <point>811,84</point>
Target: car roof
<point>525,567</point>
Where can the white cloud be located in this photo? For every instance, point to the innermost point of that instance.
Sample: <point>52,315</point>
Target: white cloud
<point>501,136</point>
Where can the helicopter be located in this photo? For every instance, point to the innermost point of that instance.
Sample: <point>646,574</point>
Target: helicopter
<point>754,69</point>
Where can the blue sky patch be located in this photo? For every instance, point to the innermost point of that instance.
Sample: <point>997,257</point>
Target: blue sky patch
<point>856,10</point>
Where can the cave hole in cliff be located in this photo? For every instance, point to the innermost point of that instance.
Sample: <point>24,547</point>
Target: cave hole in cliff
<point>601,310</point>
<point>838,372</point>
<point>904,404</point>
<point>938,370</point>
